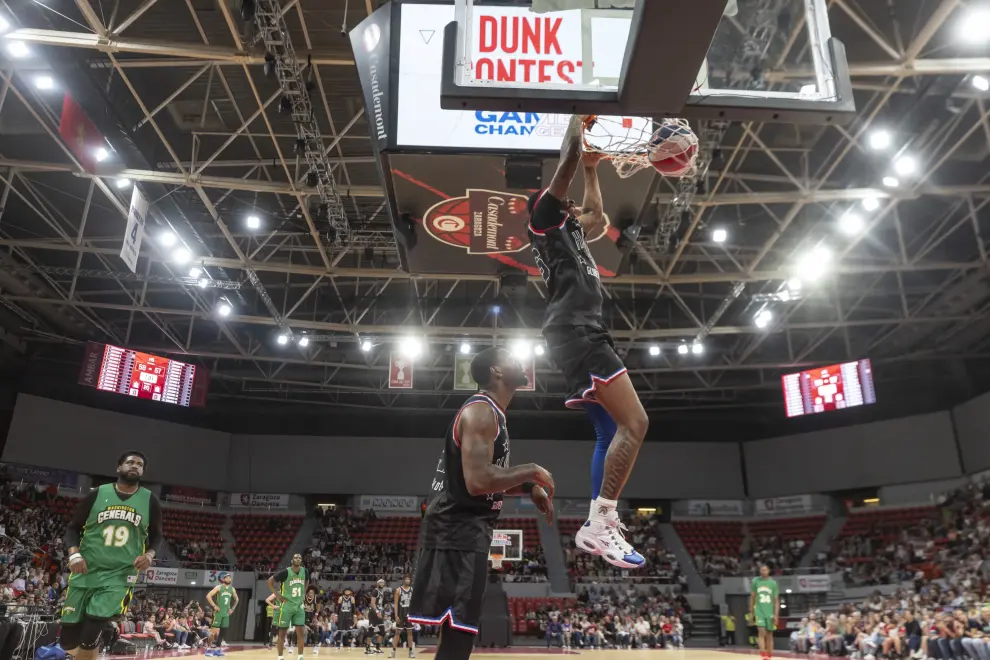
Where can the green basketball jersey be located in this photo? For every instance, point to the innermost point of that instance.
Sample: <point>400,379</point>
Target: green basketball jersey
<point>294,587</point>
<point>766,594</point>
<point>224,597</point>
<point>114,535</point>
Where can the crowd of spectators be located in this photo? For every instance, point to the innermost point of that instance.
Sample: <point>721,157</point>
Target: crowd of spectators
<point>335,554</point>
<point>532,567</point>
<point>644,533</point>
<point>193,554</point>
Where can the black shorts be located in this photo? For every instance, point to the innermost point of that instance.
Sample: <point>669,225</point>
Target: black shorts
<point>345,623</point>
<point>586,356</point>
<point>402,620</point>
<point>449,587</point>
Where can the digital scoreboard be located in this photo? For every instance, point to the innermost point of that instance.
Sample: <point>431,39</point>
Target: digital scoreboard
<point>143,375</point>
<point>833,387</point>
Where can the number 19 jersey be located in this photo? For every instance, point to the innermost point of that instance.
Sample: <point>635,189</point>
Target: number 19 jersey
<point>115,534</point>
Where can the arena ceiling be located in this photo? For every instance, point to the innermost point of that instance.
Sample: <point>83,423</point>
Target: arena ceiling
<point>200,126</point>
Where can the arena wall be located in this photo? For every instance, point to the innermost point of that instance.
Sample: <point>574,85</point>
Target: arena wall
<point>972,421</point>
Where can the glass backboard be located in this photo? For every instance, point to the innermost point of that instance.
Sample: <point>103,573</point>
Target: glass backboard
<point>506,545</point>
<point>577,49</point>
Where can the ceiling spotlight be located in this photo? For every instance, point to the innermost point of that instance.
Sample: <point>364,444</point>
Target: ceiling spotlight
<point>195,271</point>
<point>815,263</point>
<point>224,309</point>
<point>654,350</point>
<point>18,49</point>
<point>411,347</point>
<point>282,339</point>
<point>794,284</point>
<point>44,82</point>
<point>975,27</point>
<point>521,348</point>
<point>880,140</point>
<point>253,222</point>
<point>763,319</point>
<point>167,238</point>
<point>850,224</point>
<point>203,283</point>
<point>123,184</point>
<point>784,295</point>
<point>101,154</point>
<point>304,341</point>
<point>682,349</point>
<point>465,348</point>
<point>981,83</point>
<point>905,165</point>
<point>891,181</point>
<point>871,203</point>
<point>538,349</point>
<point>181,255</point>
<point>697,348</point>
<point>496,309</point>
<point>366,346</point>
<point>719,235</point>
<point>4,25</point>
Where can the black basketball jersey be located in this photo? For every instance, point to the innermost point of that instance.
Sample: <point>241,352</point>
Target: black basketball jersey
<point>346,606</point>
<point>455,519</point>
<point>380,594</point>
<point>405,597</point>
<point>566,264</point>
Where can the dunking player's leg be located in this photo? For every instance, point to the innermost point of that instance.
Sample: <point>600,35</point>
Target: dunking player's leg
<point>604,432</point>
<point>454,644</point>
<point>602,534</point>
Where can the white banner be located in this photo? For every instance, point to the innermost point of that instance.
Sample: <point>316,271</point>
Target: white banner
<point>134,233</point>
<point>715,507</point>
<point>267,500</point>
<point>161,576</point>
<point>389,502</point>
<point>814,582</point>
<point>778,505</point>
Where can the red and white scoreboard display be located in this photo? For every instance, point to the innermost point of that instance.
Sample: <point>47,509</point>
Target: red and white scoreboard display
<point>143,375</point>
<point>833,387</point>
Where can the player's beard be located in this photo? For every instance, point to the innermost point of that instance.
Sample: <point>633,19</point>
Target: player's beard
<point>131,479</point>
<point>517,379</point>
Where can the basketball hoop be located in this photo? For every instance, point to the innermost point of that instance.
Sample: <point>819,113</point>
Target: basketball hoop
<point>633,144</point>
<point>496,561</point>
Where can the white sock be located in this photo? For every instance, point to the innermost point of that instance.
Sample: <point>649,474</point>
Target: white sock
<point>596,506</point>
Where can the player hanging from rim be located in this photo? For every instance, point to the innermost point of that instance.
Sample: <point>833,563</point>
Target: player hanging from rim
<point>345,618</point>
<point>272,604</point>
<point>764,603</point>
<point>112,536</point>
<point>376,618</point>
<point>465,501</point>
<point>223,608</point>
<point>580,345</point>
<point>403,597</point>
<point>312,609</point>
<point>293,584</point>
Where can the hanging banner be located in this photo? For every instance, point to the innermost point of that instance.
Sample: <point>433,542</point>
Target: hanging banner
<point>134,233</point>
<point>809,583</point>
<point>188,495</point>
<point>268,500</point>
<point>714,507</point>
<point>406,503</point>
<point>30,473</point>
<point>161,576</point>
<point>462,373</point>
<point>80,134</point>
<point>529,366</point>
<point>400,372</point>
<point>777,505</point>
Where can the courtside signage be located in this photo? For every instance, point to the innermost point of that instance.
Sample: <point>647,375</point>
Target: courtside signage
<point>511,45</point>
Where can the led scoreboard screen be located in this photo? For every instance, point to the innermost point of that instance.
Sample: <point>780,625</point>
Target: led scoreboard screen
<point>143,375</point>
<point>833,387</point>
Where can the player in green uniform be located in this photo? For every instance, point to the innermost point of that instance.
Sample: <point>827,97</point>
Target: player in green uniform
<point>271,611</point>
<point>293,583</point>
<point>764,603</point>
<point>223,608</point>
<point>112,536</point>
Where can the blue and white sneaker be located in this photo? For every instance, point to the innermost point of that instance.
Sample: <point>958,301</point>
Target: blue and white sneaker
<point>603,536</point>
<point>218,653</point>
<point>209,653</point>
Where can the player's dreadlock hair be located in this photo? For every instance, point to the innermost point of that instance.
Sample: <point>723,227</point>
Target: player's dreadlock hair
<point>481,366</point>
<point>128,454</point>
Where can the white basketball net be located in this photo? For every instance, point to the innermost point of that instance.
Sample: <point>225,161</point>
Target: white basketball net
<point>627,143</point>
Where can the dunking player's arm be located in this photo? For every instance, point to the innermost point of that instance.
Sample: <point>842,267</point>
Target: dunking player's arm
<point>73,532</point>
<point>570,158</point>
<point>478,430</point>
<point>592,211</point>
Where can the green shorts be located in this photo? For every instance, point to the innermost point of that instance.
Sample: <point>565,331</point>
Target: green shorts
<point>95,602</point>
<point>220,620</point>
<point>290,615</point>
<point>766,621</point>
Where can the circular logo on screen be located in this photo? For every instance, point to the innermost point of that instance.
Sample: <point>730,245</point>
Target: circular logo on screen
<point>372,35</point>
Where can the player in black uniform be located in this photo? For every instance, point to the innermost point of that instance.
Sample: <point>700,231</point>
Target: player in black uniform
<point>403,597</point>
<point>345,618</point>
<point>465,500</point>
<point>312,609</point>
<point>376,617</point>
<point>580,345</point>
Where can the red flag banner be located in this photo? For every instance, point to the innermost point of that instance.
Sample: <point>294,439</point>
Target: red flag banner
<point>80,134</point>
<point>400,372</point>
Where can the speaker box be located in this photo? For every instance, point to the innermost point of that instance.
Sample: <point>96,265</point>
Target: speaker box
<point>523,173</point>
<point>124,647</point>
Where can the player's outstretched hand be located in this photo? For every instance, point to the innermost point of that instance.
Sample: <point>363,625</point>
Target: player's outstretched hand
<point>142,562</point>
<point>591,158</point>
<point>543,503</point>
<point>544,479</point>
<point>78,566</point>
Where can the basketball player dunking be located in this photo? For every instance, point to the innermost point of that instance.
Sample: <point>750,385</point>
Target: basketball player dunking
<point>403,597</point>
<point>580,345</point>
<point>465,501</point>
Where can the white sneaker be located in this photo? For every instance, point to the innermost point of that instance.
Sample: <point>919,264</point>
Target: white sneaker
<point>604,537</point>
<point>224,644</point>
